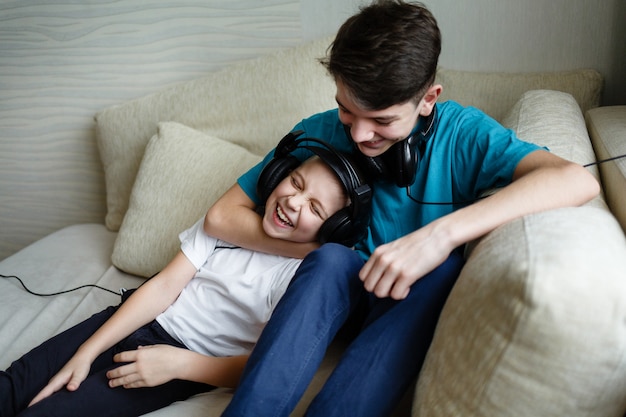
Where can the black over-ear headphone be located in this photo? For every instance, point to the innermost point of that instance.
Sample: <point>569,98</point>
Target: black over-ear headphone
<point>348,225</point>
<point>400,162</point>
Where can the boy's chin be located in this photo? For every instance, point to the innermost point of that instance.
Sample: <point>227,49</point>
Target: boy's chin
<point>267,228</point>
<point>373,152</point>
<point>271,230</point>
<point>286,236</point>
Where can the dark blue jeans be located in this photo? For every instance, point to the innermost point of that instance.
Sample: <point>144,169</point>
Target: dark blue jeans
<point>379,364</point>
<point>29,374</point>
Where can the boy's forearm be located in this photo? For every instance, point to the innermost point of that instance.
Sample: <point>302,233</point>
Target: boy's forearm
<point>548,187</point>
<point>142,306</point>
<point>394,267</point>
<point>219,372</point>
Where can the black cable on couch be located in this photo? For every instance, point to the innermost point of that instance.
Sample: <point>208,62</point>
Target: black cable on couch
<point>57,293</point>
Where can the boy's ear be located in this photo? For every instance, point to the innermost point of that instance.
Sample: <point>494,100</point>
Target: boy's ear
<point>429,99</point>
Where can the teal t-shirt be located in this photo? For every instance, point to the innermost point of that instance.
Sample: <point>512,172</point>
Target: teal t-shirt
<point>467,154</point>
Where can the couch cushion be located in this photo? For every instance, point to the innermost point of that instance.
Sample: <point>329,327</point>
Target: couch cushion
<point>182,173</point>
<point>496,92</point>
<point>71,257</point>
<point>536,324</point>
<point>253,104</point>
<point>553,119</point>
<point>607,128</point>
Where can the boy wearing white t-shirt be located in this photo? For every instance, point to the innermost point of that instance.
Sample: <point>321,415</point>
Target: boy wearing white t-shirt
<point>191,327</point>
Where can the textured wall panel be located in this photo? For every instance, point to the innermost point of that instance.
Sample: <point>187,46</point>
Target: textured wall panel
<point>61,61</point>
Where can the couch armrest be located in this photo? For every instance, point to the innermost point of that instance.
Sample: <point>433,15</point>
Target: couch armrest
<point>607,128</point>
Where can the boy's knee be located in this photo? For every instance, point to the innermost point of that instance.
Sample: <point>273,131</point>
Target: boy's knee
<point>331,264</point>
<point>334,255</point>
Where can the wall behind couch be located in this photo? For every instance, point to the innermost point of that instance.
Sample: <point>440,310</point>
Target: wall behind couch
<point>536,35</point>
<point>63,60</point>
<point>525,35</point>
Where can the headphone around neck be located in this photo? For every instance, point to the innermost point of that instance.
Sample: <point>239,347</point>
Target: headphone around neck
<point>400,162</point>
<point>348,225</point>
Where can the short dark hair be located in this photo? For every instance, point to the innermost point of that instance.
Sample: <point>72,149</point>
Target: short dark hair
<point>386,54</point>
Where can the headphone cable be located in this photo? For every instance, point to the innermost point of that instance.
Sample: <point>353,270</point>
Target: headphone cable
<point>605,160</point>
<point>60,292</point>
<point>449,203</point>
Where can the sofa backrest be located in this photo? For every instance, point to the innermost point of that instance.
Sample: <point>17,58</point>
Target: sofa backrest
<point>495,93</point>
<point>253,104</point>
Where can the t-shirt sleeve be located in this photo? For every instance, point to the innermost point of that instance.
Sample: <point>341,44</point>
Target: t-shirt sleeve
<point>248,181</point>
<point>488,153</point>
<point>196,244</point>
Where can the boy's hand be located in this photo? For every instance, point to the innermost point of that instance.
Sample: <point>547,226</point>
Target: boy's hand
<point>70,376</point>
<point>395,266</point>
<point>148,366</point>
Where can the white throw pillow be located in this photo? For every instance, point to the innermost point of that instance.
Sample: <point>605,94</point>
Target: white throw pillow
<point>182,173</point>
<point>553,119</point>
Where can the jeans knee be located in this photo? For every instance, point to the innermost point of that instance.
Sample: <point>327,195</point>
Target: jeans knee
<point>332,266</point>
<point>335,257</point>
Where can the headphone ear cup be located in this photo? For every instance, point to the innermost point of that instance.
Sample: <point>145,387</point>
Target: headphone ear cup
<point>338,228</point>
<point>404,162</point>
<point>410,160</point>
<point>273,173</point>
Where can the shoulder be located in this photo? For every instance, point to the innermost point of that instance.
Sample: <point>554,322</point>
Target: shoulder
<point>451,112</point>
<point>471,131</point>
<point>329,116</point>
<point>468,125</point>
<point>327,127</point>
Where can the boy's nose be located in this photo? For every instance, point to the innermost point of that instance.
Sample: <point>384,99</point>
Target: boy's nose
<point>361,131</point>
<point>295,201</point>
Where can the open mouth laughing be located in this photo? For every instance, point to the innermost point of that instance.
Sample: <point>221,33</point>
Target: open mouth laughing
<point>282,217</point>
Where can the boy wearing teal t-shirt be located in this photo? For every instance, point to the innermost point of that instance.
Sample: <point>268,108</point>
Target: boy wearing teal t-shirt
<point>430,165</point>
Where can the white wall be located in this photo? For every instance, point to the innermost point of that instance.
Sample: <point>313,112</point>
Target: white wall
<point>63,60</point>
<point>536,35</point>
<point>323,17</point>
<point>515,35</point>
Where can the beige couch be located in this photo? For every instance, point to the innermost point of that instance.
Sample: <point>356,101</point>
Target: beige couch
<point>535,326</point>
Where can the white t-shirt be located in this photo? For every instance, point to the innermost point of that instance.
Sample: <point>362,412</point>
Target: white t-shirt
<point>223,309</point>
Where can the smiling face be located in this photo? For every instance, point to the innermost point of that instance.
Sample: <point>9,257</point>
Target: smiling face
<point>302,201</point>
<point>375,131</point>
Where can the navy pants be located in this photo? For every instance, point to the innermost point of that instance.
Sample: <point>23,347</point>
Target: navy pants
<point>378,365</point>
<point>28,375</point>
